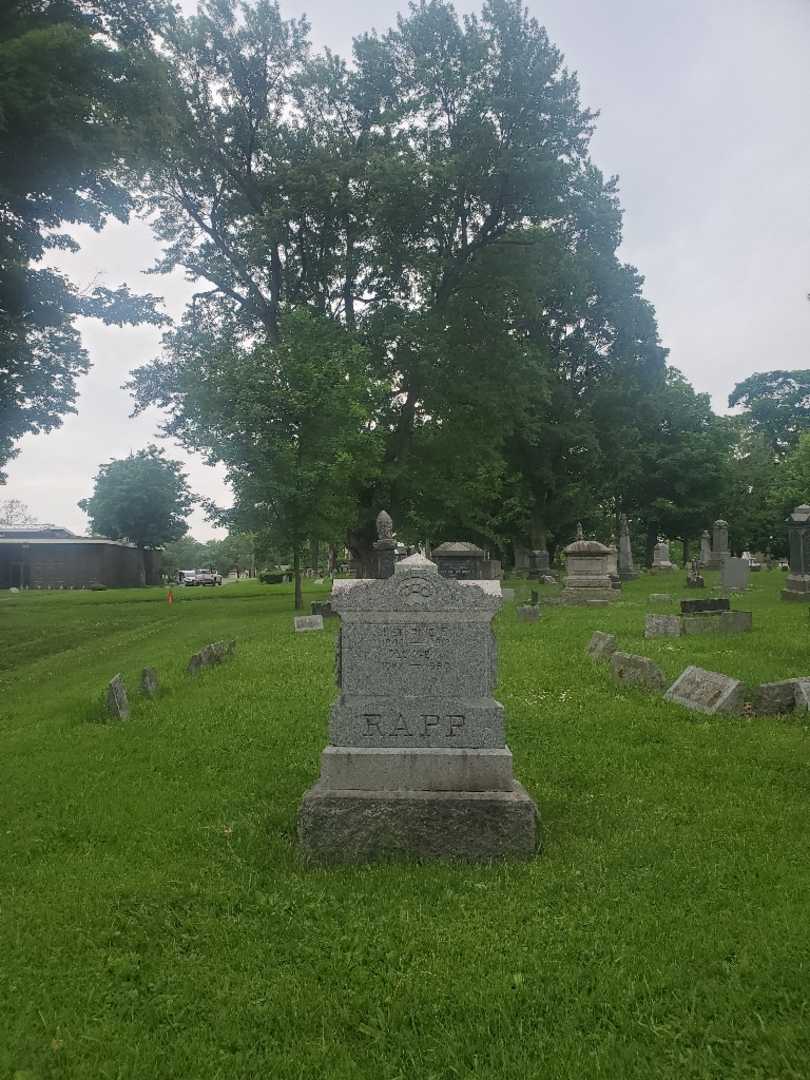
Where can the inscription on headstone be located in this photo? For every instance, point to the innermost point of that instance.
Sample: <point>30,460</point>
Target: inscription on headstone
<point>706,691</point>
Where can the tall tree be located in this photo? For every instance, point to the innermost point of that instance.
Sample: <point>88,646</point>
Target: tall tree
<point>75,76</point>
<point>143,498</point>
<point>777,406</point>
<point>14,512</point>
<point>436,200</point>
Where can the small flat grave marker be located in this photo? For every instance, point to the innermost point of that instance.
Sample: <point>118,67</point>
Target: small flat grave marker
<point>801,691</point>
<point>638,670</point>
<point>662,626</point>
<point>717,603</point>
<point>528,613</point>
<point>775,697</point>
<point>706,691</point>
<point>660,598</point>
<point>304,623</point>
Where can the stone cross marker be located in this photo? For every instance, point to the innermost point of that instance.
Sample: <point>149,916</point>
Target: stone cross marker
<point>417,762</point>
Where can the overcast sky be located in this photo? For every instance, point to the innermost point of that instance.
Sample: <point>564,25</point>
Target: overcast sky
<point>704,117</point>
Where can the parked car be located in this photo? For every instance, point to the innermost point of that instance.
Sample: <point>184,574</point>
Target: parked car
<point>199,577</point>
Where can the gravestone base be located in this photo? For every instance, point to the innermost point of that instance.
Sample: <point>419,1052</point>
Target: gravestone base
<point>354,826</point>
<point>797,587</point>
<point>575,596</point>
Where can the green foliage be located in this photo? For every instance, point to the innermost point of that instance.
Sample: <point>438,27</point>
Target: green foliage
<point>74,77</point>
<point>143,498</point>
<point>14,512</point>
<point>185,553</point>
<point>777,405</point>
<point>151,883</point>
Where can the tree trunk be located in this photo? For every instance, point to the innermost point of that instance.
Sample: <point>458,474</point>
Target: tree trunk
<point>332,560</point>
<point>299,598</point>
<point>538,536</point>
<point>360,545</point>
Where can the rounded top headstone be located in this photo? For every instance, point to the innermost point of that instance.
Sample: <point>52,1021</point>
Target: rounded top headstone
<point>801,515</point>
<point>417,562</point>
<point>385,526</point>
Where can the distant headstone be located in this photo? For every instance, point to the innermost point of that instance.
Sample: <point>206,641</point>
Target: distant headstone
<point>308,622</point>
<point>717,603</point>
<point>660,598</point>
<point>528,613</point>
<point>720,551</point>
<point>459,559</point>
<point>322,608</point>
<point>602,646</point>
<point>735,574</point>
<point>717,622</point>
<point>801,690</point>
<point>706,691</point>
<point>149,682</point>
<point>661,563</point>
<point>627,570</point>
<point>417,763</point>
<point>385,547</point>
<point>705,549</point>
<point>797,585</point>
<point>116,700</point>
<point>775,697</point>
<point>539,564</point>
<point>587,577</point>
<point>662,626</point>
<point>508,595</point>
<point>210,655</point>
<point>638,670</point>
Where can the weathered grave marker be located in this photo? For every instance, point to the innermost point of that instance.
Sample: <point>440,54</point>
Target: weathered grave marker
<point>775,697</point>
<point>304,623</point>
<point>149,682</point>
<point>528,613</point>
<point>638,670</point>
<point>735,574</point>
<point>706,691</point>
<point>417,762</point>
<point>602,646</point>
<point>116,700</point>
<point>662,626</point>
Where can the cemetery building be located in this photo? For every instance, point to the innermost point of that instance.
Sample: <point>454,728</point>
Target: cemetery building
<point>51,557</point>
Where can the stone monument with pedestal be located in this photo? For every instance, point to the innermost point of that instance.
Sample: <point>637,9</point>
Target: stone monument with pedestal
<point>627,570</point>
<point>385,546</point>
<point>417,762</point>
<point>720,550</point>
<point>459,559</point>
<point>587,578</point>
<point>797,584</point>
<point>661,563</point>
<point>539,564</point>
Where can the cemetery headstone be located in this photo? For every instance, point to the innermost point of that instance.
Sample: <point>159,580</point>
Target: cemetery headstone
<point>587,572</point>
<point>801,691</point>
<point>717,622</point>
<point>661,563</point>
<point>716,603</point>
<point>775,697</point>
<point>797,585</point>
<point>662,626</point>
<point>149,682</point>
<point>706,691</point>
<point>720,551</point>
<point>322,608</point>
<point>210,655</point>
<point>458,559</point>
<point>528,613</point>
<point>116,700</point>
<point>735,574</point>
<point>539,564</point>
<point>508,595</point>
<point>705,549</point>
<point>385,546</point>
<point>417,763</point>
<point>637,670</point>
<point>660,598</point>
<point>307,622</point>
<point>602,646</point>
<point>627,570</point>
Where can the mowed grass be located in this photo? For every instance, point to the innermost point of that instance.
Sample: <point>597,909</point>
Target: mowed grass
<point>156,921</point>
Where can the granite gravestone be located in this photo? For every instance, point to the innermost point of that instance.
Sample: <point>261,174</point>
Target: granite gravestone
<point>627,571</point>
<point>587,578</point>
<point>149,682</point>
<point>797,585</point>
<point>720,551</point>
<point>305,623</point>
<point>706,691</point>
<point>602,646</point>
<point>417,763</point>
<point>116,700</point>
<point>735,574</point>
<point>661,563</point>
<point>385,546</point>
<point>705,549</point>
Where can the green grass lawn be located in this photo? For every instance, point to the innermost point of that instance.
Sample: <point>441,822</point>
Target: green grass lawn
<point>155,921</point>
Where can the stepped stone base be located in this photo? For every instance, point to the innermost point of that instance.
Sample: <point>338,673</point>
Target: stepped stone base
<point>376,768</point>
<point>797,587</point>
<point>352,826</point>
<point>585,596</point>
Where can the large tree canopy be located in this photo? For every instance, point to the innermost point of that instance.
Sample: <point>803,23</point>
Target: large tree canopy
<point>75,76</point>
<point>437,201</point>
<point>777,406</point>
<point>143,498</point>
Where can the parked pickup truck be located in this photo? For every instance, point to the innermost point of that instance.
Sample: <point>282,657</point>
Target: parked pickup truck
<point>199,577</point>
